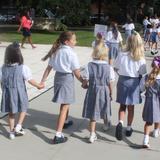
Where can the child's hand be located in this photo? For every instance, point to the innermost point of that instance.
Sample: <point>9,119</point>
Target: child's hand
<point>41,85</point>
<point>84,84</point>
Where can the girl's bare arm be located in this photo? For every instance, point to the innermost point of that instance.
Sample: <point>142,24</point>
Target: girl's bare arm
<point>46,73</point>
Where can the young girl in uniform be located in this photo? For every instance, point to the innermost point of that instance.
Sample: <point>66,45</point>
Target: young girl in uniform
<point>151,110</point>
<point>130,66</point>
<point>14,95</point>
<point>97,103</point>
<point>114,41</point>
<point>65,62</point>
<point>128,26</point>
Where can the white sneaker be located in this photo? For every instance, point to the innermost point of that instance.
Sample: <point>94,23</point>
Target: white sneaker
<point>156,133</point>
<point>92,138</point>
<point>19,132</point>
<point>146,145</point>
<point>11,135</point>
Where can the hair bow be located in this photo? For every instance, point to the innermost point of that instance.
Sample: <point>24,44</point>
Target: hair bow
<point>156,61</point>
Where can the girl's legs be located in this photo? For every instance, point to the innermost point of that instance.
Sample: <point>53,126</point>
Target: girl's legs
<point>23,41</point>
<point>92,128</point>
<point>11,121</point>
<point>67,122</point>
<point>59,138</point>
<point>147,127</point>
<point>121,113</point>
<point>110,61</point>
<point>30,41</point>
<point>130,120</point>
<point>18,129</point>
<point>62,116</point>
<point>119,127</point>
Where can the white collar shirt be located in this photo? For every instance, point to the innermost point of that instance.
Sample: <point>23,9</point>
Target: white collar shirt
<point>65,60</point>
<point>126,66</point>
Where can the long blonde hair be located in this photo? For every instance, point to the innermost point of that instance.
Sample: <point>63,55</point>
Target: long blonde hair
<point>61,40</point>
<point>135,46</point>
<point>100,52</point>
<point>154,72</point>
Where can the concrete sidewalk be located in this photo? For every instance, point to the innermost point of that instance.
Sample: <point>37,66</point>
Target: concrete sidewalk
<point>40,125</point>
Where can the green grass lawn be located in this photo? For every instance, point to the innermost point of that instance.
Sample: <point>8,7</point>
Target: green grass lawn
<point>84,38</point>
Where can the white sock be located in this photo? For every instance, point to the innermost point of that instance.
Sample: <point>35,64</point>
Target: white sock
<point>59,134</point>
<point>93,133</point>
<point>120,121</point>
<point>146,139</point>
<point>18,127</point>
<point>129,128</point>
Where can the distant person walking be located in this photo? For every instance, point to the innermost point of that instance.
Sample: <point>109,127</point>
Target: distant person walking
<point>114,41</point>
<point>13,73</point>
<point>128,26</point>
<point>25,25</point>
<point>64,61</point>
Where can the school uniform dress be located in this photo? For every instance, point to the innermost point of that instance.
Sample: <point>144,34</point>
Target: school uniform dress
<point>154,35</point>
<point>151,110</point>
<point>64,63</point>
<point>129,71</point>
<point>97,103</point>
<point>113,44</point>
<point>14,94</point>
<point>128,29</point>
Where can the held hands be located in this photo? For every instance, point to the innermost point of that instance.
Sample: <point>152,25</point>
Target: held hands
<point>41,85</point>
<point>84,84</point>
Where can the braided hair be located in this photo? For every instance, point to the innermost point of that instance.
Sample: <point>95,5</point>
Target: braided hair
<point>155,71</point>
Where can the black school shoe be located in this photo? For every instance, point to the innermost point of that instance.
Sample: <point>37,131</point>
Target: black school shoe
<point>119,129</point>
<point>152,53</point>
<point>68,124</point>
<point>129,133</point>
<point>58,140</point>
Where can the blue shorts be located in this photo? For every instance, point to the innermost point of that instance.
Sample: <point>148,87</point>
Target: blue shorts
<point>26,32</point>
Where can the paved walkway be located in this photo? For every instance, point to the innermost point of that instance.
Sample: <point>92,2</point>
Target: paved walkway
<point>41,121</point>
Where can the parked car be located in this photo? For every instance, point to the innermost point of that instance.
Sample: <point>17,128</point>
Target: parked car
<point>95,18</point>
<point>3,18</point>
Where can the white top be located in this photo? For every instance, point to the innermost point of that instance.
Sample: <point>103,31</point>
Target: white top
<point>65,60</point>
<point>154,20</point>
<point>110,37</point>
<point>146,22</point>
<point>126,66</point>
<point>85,72</point>
<point>128,26</point>
<point>26,72</point>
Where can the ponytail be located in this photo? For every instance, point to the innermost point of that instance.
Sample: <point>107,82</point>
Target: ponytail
<point>52,51</point>
<point>64,36</point>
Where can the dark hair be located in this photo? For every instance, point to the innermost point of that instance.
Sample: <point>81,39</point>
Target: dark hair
<point>64,36</point>
<point>129,20</point>
<point>25,13</point>
<point>13,54</point>
<point>114,29</point>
